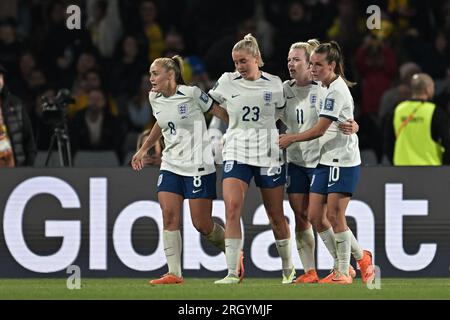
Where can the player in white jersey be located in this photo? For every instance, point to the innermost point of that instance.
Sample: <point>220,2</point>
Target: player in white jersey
<point>187,169</point>
<point>300,114</point>
<point>251,98</point>
<point>335,177</point>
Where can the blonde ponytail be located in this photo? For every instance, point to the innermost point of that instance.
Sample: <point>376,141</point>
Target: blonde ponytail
<point>250,44</point>
<point>176,64</point>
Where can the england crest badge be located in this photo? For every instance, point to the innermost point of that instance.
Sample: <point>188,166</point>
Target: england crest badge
<point>183,110</point>
<point>267,96</point>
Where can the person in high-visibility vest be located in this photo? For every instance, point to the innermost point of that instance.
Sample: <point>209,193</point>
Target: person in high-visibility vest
<point>420,128</point>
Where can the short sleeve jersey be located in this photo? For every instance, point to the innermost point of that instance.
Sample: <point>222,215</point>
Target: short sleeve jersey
<point>337,149</point>
<point>187,150</point>
<point>252,136</point>
<point>301,113</point>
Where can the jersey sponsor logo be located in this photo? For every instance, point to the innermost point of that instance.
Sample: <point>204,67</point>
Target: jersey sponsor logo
<point>267,96</point>
<point>331,184</point>
<point>158,112</point>
<point>159,180</point>
<point>183,110</point>
<point>204,97</point>
<point>276,179</point>
<point>235,95</point>
<point>196,191</point>
<point>313,99</point>
<point>228,166</point>
<point>329,104</point>
<point>290,97</point>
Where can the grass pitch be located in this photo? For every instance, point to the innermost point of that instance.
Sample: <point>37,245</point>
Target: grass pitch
<point>205,289</point>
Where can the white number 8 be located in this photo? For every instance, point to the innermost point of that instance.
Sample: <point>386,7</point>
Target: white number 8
<point>197,181</point>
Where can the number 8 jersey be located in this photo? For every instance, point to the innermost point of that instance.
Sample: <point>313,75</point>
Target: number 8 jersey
<point>187,149</point>
<point>252,136</point>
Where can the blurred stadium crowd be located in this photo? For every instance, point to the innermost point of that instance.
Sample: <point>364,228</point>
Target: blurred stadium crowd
<point>105,64</point>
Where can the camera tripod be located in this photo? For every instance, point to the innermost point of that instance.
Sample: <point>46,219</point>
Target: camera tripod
<point>60,137</point>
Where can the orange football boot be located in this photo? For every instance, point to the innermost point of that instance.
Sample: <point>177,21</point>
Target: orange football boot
<point>309,277</point>
<point>327,279</point>
<point>168,278</point>
<point>341,279</point>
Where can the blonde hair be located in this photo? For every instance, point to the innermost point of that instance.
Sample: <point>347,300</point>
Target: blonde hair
<point>176,64</point>
<point>334,53</point>
<point>308,46</point>
<point>250,44</point>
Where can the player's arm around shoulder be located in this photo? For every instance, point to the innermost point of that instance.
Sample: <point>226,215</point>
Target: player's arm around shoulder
<point>209,105</point>
<point>334,103</point>
<point>349,127</point>
<point>219,112</point>
<point>318,130</point>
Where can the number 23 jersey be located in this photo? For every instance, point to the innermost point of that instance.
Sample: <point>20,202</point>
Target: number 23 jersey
<point>252,136</point>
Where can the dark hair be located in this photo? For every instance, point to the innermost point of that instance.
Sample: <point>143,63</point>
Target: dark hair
<point>334,54</point>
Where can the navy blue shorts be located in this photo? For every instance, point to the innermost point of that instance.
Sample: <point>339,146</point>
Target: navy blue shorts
<point>298,178</point>
<point>200,187</point>
<point>264,177</point>
<point>328,179</point>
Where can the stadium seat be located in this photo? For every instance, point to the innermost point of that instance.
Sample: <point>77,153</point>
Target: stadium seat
<point>96,159</point>
<point>130,142</point>
<point>41,156</point>
<point>128,157</point>
<point>369,158</point>
<point>385,161</point>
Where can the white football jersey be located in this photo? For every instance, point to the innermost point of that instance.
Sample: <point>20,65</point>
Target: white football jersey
<point>337,149</point>
<point>187,150</point>
<point>301,113</point>
<point>252,136</point>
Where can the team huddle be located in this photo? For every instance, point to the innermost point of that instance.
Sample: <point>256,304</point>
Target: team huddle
<point>322,158</point>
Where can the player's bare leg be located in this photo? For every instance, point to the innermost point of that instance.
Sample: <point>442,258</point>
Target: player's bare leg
<point>273,203</point>
<point>234,191</point>
<point>201,215</point>
<point>336,206</point>
<point>171,207</point>
<point>304,237</point>
<point>318,218</point>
